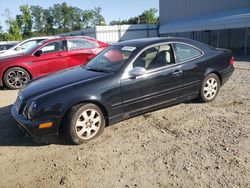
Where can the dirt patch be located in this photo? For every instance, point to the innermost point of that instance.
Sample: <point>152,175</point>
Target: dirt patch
<point>187,145</point>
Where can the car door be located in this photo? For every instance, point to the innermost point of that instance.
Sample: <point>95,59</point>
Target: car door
<point>51,59</point>
<point>80,51</point>
<point>161,84</point>
<point>193,66</point>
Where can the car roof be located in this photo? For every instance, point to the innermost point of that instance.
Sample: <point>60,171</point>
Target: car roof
<point>72,37</point>
<point>8,42</point>
<point>43,37</point>
<point>151,41</point>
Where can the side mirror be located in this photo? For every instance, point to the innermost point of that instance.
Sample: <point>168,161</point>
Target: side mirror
<point>137,71</point>
<point>38,53</point>
<point>18,48</point>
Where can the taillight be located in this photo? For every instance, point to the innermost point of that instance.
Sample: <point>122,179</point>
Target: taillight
<point>232,60</point>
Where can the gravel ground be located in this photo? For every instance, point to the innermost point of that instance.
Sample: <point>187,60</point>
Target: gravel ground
<point>187,145</point>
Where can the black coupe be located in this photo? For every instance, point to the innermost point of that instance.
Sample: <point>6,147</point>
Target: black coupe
<point>125,80</point>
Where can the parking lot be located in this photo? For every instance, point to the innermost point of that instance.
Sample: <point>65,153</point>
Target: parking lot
<point>187,145</point>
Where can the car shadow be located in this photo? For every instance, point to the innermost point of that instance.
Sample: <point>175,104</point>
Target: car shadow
<point>193,101</point>
<point>11,134</point>
<point>2,88</point>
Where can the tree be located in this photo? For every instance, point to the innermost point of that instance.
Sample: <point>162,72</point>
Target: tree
<point>98,19</point>
<point>77,22</point>
<point>25,21</point>
<point>14,31</point>
<point>60,18</point>
<point>7,14</point>
<point>66,15</point>
<point>87,17</point>
<point>37,15</point>
<point>48,21</point>
<point>66,18</point>
<point>114,22</point>
<point>149,17</point>
<point>1,33</point>
<point>56,13</point>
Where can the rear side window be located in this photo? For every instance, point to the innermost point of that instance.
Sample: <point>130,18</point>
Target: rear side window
<point>185,52</point>
<point>80,44</point>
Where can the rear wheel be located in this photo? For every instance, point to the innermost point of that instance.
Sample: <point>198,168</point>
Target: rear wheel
<point>210,88</point>
<point>84,122</point>
<point>15,78</point>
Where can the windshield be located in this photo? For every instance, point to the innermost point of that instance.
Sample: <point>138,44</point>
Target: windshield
<point>111,59</point>
<point>31,48</point>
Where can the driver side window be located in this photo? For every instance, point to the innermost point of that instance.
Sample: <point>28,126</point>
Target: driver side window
<point>52,47</point>
<point>155,57</point>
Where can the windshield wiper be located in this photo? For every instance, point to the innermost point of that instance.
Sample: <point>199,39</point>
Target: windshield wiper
<point>96,69</point>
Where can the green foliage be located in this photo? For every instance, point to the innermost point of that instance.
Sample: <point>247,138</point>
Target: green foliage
<point>60,18</point>
<point>14,32</point>
<point>87,17</point>
<point>48,21</point>
<point>147,17</point>
<point>37,15</point>
<point>98,19</point>
<point>24,21</point>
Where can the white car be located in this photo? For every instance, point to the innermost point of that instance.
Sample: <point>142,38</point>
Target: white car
<point>25,45</point>
<point>7,45</point>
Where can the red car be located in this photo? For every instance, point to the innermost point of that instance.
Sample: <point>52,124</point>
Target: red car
<point>46,57</point>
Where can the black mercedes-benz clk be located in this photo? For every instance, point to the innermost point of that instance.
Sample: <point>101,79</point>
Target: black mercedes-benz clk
<point>126,79</point>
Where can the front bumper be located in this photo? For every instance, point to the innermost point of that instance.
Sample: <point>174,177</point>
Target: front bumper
<point>47,135</point>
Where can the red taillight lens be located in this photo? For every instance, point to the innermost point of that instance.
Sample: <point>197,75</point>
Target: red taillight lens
<point>232,61</point>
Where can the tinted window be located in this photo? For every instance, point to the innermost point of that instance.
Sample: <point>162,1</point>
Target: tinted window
<point>9,46</point>
<point>155,57</point>
<point>80,44</point>
<point>111,59</point>
<point>184,52</point>
<point>52,47</point>
<point>2,47</point>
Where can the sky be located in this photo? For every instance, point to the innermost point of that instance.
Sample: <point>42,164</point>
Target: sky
<point>111,9</point>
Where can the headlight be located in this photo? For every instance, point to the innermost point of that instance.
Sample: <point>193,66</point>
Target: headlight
<point>31,110</point>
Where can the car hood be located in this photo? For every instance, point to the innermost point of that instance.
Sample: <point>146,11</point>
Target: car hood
<point>56,81</point>
<point>10,56</point>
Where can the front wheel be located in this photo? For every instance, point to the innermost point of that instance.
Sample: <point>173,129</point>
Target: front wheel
<point>210,88</point>
<point>84,122</point>
<point>15,78</point>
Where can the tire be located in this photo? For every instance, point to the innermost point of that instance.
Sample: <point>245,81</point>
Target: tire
<point>15,78</point>
<point>84,122</point>
<point>210,88</point>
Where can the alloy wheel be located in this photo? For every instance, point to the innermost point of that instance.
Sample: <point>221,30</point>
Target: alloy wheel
<point>88,124</point>
<point>211,88</point>
<point>17,78</point>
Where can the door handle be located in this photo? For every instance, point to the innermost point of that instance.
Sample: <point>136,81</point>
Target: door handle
<point>177,72</point>
<point>59,55</point>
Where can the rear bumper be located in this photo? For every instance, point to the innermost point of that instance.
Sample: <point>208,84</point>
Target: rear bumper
<point>226,74</point>
<point>31,128</point>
